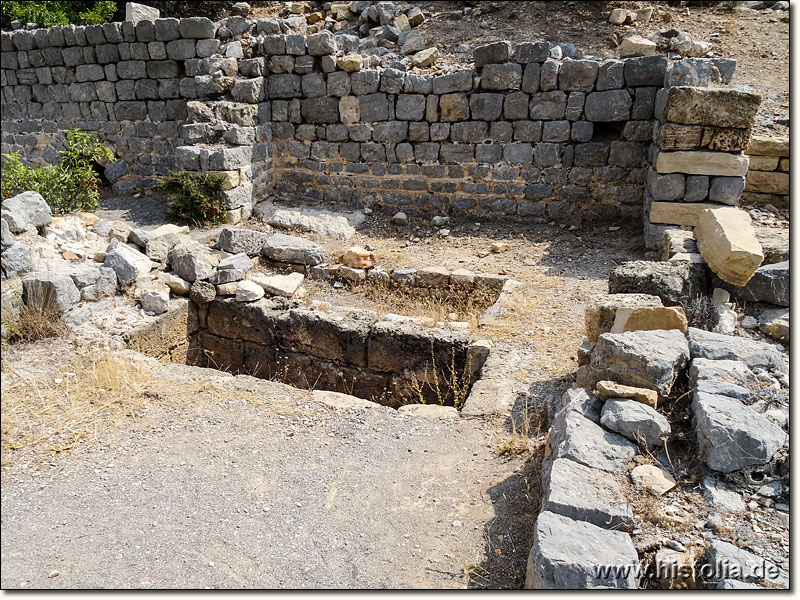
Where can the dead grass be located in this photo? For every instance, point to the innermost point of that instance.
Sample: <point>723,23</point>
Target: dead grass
<point>88,396</point>
<point>528,433</point>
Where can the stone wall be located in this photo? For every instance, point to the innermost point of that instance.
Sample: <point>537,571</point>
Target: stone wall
<point>768,175</point>
<point>523,134</point>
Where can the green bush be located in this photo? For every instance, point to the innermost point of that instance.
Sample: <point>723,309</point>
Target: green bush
<point>195,197</point>
<point>192,8</point>
<point>66,187</point>
<point>49,13</point>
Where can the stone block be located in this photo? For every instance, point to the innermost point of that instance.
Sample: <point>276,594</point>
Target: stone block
<point>566,555</point>
<point>611,105</point>
<point>506,76</point>
<point>767,183</point>
<point>719,107</point>
<point>726,241</point>
<point>578,75</point>
<point>702,163</point>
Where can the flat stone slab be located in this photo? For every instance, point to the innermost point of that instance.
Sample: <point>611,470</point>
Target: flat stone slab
<point>636,421</point>
<point>721,164</point>
<point>732,435</point>
<point>770,283</point>
<point>280,285</point>
<point>678,213</point>
<point>566,554</point>
<point>730,562</point>
<point>295,250</point>
<point>775,323</point>
<point>730,378</point>
<point>717,346</point>
<point>321,222</point>
<point>584,494</point>
<point>611,389</point>
<point>576,437</point>
<point>728,244</point>
<point>649,359</point>
<point>339,400</point>
<point>580,399</point>
<point>720,497</point>
<point>671,281</point>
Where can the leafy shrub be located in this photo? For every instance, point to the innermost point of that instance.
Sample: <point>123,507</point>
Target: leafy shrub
<point>195,197</point>
<point>49,13</point>
<point>190,8</point>
<point>66,187</point>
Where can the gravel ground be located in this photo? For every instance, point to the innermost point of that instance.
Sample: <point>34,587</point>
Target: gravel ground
<point>286,493</point>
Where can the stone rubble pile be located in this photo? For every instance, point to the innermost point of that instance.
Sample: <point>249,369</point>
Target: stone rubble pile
<point>634,354</point>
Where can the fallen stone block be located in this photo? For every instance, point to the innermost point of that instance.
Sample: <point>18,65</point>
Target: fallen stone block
<point>280,285</point>
<point>636,421</point>
<point>730,378</point>
<point>574,436</point>
<point>774,244</point>
<point>46,292</point>
<point>192,261</point>
<point>731,435</point>
<point>127,263</point>
<point>248,291</point>
<point>770,283</point>
<point>16,260</point>
<point>754,354</point>
<point>611,389</point>
<point>27,208</point>
<point>601,311</point>
<point>726,241</point>
<point>247,241</point>
<point>674,282</point>
<point>585,494</point>
<point>429,411</point>
<point>155,299</point>
<point>649,359</point>
<point>295,250</point>
<point>725,559</point>
<point>566,554</point>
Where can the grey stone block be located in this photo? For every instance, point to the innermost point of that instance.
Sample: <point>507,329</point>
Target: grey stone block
<point>666,187</point>
<point>410,107</point>
<point>286,85</point>
<point>486,107</point>
<point>636,421</point>
<point>611,105</point>
<point>181,49</point>
<point>338,84</point>
<point>505,76</point>
<point>167,29</point>
<point>726,190</point>
<point>566,555</point>
<point>197,28</point>
<point>610,75</point>
<point>496,52</point>
<point>555,131</point>
<point>374,107</point>
<point>548,78</point>
<point>645,71</point>
<point>578,75</point>
<point>582,131</point>
<point>531,52</point>
<point>364,82</point>
<point>49,292</point>
<point>460,81</point>
<point>696,188</point>
<point>548,105</point>
<point>527,131</point>
<point>530,78</point>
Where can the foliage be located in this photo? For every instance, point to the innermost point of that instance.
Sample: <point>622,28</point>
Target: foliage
<point>66,187</point>
<point>188,8</point>
<point>700,312</point>
<point>195,197</point>
<point>49,13</point>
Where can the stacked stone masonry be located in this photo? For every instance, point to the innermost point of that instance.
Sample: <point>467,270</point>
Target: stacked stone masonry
<point>768,175</point>
<point>524,135</point>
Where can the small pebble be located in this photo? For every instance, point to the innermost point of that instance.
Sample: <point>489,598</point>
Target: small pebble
<point>53,574</point>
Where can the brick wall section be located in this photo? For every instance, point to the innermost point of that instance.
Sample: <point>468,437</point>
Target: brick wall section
<point>768,175</point>
<point>523,135</point>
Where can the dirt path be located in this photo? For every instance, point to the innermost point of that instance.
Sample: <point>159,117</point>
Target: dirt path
<point>278,492</point>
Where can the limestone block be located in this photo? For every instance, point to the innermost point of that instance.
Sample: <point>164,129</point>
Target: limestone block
<point>649,318</point>
<point>767,183</point>
<point>702,163</point>
<point>678,213</point>
<point>719,107</point>
<point>727,242</point>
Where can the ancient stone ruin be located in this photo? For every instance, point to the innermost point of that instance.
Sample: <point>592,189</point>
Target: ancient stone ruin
<point>294,116</point>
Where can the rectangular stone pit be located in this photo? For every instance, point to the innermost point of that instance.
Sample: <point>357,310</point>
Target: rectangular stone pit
<point>352,352</point>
